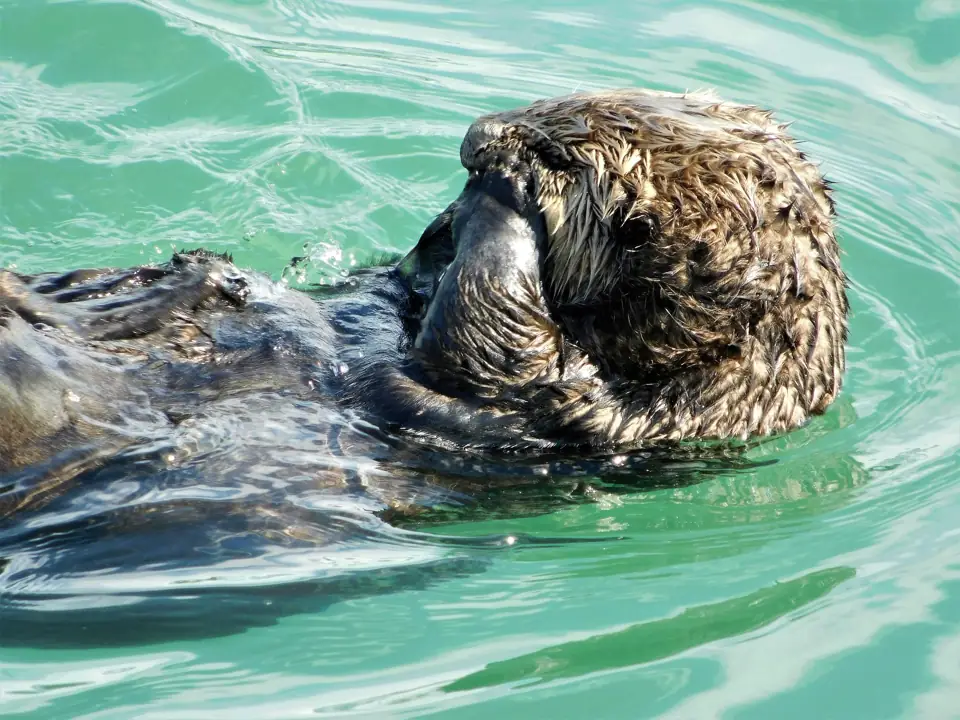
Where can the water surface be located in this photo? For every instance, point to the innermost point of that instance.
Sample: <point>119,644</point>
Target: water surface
<point>824,584</point>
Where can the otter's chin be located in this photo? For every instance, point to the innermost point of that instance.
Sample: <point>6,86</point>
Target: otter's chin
<point>486,326</point>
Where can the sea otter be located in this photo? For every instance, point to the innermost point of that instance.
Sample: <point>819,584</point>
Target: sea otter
<point>621,269</point>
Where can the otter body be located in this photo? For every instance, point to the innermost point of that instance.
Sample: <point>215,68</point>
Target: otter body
<point>621,269</point>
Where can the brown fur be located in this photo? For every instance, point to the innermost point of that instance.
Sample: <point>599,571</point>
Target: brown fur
<point>692,260</point>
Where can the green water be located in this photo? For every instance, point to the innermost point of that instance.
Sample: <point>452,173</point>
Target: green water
<point>825,585</point>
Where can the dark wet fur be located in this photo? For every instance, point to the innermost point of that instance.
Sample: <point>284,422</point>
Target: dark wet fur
<point>100,483</point>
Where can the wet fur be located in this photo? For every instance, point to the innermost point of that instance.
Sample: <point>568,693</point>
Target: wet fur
<point>692,266</point>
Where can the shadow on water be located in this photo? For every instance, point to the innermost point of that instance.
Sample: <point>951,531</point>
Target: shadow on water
<point>658,639</point>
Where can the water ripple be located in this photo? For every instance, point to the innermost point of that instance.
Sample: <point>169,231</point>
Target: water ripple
<point>329,130</point>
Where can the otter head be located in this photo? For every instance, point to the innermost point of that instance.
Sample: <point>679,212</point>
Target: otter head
<point>637,265</point>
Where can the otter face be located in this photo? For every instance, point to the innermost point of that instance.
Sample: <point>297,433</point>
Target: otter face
<point>682,247</point>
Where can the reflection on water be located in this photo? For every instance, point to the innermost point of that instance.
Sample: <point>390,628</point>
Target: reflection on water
<point>818,574</point>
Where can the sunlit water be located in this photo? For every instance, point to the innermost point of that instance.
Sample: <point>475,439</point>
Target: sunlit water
<point>825,584</point>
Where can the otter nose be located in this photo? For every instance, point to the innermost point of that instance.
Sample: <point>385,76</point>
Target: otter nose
<point>495,196</point>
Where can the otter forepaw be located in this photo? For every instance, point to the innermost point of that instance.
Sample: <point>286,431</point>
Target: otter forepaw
<point>109,304</point>
<point>17,297</point>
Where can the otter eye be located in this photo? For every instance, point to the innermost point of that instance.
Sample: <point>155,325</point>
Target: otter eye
<point>635,232</point>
